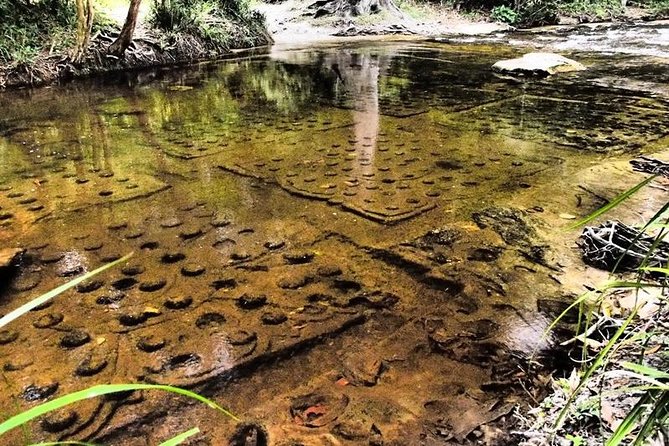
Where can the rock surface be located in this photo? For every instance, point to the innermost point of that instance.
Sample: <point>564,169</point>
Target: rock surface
<point>537,64</point>
<point>8,256</point>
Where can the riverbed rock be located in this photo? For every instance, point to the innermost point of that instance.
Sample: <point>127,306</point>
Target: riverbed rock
<point>362,369</point>
<point>510,223</point>
<point>9,256</point>
<point>537,64</point>
<point>247,434</point>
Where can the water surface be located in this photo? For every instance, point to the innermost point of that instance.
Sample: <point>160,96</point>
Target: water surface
<point>346,242</point>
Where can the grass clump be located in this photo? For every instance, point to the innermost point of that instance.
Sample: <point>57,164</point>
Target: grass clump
<point>29,28</point>
<point>211,21</point>
<point>619,395</point>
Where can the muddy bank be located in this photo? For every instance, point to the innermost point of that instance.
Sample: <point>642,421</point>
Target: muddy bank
<point>149,49</point>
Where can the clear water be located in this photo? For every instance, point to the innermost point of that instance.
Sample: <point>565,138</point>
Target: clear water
<point>365,222</point>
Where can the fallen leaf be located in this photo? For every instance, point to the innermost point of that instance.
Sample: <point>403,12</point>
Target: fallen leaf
<point>652,350</point>
<point>607,413</point>
<point>568,216</point>
<point>342,382</point>
<point>315,411</point>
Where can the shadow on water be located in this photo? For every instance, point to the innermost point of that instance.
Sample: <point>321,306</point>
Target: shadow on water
<point>341,242</point>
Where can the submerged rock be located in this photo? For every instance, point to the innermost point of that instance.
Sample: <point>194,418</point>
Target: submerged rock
<point>9,256</point>
<point>510,223</point>
<point>249,434</point>
<point>59,420</point>
<point>537,64</point>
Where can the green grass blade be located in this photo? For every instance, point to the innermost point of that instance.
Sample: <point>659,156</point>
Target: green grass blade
<point>630,421</point>
<point>599,359</point>
<point>180,438</point>
<point>96,391</point>
<point>652,383</point>
<point>577,302</point>
<point>617,284</point>
<point>614,284</point>
<point>612,204</point>
<point>659,225</point>
<point>23,309</point>
<point>657,416</point>
<point>654,269</point>
<point>645,370</point>
<point>628,390</point>
<point>643,230</point>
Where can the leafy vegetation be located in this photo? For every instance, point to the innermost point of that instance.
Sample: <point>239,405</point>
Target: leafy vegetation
<point>36,30</point>
<point>503,13</point>
<point>630,339</point>
<point>22,27</point>
<point>206,19</point>
<point>659,7</point>
<point>542,12</point>
<point>593,10</point>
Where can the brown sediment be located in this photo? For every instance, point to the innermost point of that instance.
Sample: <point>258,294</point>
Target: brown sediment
<point>331,269</point>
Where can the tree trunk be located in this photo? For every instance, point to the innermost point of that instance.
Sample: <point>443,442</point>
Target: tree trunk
<point>125,38</point>
<point>363,7</point>
<point>354,7</point>
<point>84,24</point>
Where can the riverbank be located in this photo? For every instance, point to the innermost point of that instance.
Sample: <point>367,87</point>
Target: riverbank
<point>269,22</point>
<point>150,48</point>
<point>613,381</point>
<point>206,38</point>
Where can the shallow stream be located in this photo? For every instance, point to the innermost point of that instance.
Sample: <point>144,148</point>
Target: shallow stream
<point>353,243</point>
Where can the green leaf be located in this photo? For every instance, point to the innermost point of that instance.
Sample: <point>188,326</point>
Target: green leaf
<point>618,284</point>
<point>645,370</point>
<point>612,204</point>
<point>23,309</point>
<point>180,438</point>
<point>598,361</point>
<point>630,421</point>
<point>96,391</point>
<point>657,416</point>
<point>654,269</point>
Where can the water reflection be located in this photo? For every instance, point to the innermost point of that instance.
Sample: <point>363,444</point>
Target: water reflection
<point>276,202</point>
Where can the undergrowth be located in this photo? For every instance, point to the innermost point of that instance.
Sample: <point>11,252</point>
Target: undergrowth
<point>526,13</point>
<point>619,392</point>
<point>659,8</point>
<point>210,21</point>
<point>40,28</point>
<point>593,10</point>
<point>27,29</point>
